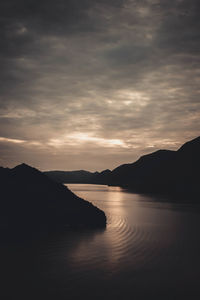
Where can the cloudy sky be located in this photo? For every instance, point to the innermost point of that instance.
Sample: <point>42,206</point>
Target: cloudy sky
<point>91,84</point>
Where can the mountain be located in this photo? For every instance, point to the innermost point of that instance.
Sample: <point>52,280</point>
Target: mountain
<point>163,171</point>
<point>30,201</point>
<point>102,177</point>
<point>80,176</point>
<point>141,169</point>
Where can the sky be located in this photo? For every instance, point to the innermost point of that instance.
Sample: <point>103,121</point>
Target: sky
<point>92,84</point>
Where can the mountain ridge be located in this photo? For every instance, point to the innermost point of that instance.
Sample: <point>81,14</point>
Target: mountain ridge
<point>163,171</point>
<point>30,200</point>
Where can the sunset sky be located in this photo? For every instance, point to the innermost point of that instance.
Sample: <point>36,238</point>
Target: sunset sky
<point>92,84</point>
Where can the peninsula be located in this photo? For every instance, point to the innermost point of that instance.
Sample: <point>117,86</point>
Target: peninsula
<point>31,201</point>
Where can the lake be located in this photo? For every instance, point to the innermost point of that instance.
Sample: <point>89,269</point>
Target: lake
<point>150,249</point>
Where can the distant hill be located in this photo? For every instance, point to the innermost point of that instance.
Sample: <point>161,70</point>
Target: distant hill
<point>163,171</point>
<point>30,201</point>
<point>79,176</point>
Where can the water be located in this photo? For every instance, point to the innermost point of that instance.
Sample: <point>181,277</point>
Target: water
<point>149,250</point>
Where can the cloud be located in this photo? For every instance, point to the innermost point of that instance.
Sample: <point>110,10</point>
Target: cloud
<point>123,74</point>
<point>15,141</point>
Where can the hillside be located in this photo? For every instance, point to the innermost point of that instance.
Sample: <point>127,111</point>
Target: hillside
<point>80,176</point>
<point>164,171</point>
<point>30,201</point>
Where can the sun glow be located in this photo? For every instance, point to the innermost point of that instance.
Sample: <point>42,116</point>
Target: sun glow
<point>84,137</point>
<point>133,97</point>
<point>15,141</point>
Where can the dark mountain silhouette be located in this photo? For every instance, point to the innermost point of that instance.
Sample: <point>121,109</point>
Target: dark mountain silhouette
<point>142,168</point>
<point>31,201</point>
<point>102,177</point>
<point>163,172</point>
<point>79,176</point>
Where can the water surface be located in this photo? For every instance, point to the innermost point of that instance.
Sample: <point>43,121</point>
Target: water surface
<point>149,250</point>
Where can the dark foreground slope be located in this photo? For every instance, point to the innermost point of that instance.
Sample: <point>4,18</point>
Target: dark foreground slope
<point>29,199</point>
<point>164,171</point>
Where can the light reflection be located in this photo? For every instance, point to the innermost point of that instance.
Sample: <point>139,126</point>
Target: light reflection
<point>115,195</point>
<point>115,188</point>
<point>112,242</point>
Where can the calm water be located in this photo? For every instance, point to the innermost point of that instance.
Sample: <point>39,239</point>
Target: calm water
<point>149,250</point>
